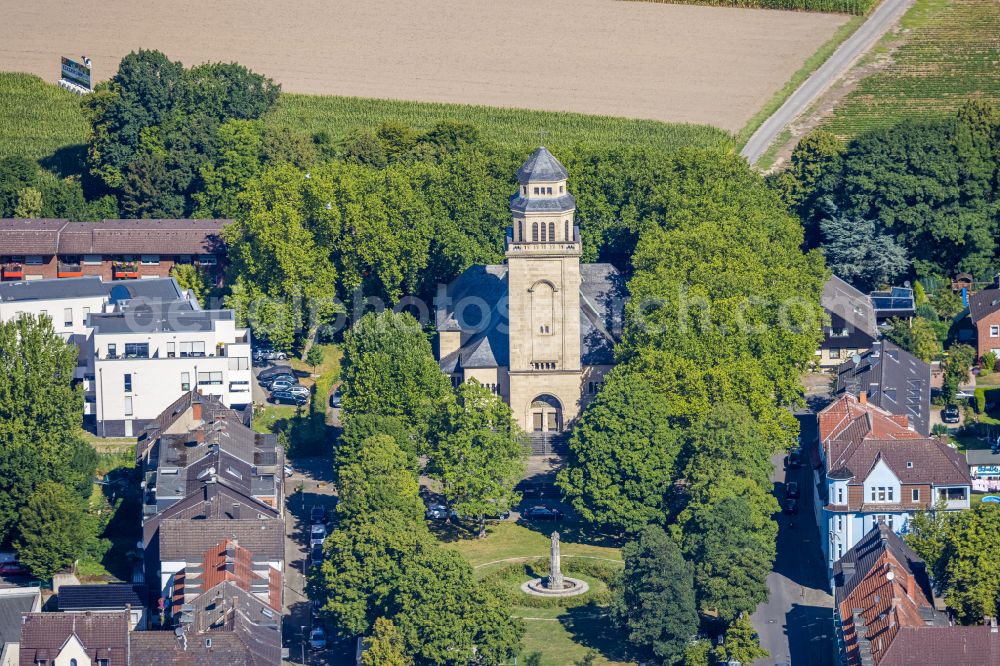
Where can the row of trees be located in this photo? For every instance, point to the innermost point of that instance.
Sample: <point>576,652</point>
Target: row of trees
<point>386,576</point>
<point>722,319</point>
<point>46,468</point>
<point>919,197</point>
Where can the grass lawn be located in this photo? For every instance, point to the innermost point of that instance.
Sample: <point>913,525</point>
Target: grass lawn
<point>991,379</point>
<point>947,52</point>
<point>507,540</point>
<point>560,635</point>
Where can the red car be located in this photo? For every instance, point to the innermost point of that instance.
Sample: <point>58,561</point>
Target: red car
<point>12,569</point>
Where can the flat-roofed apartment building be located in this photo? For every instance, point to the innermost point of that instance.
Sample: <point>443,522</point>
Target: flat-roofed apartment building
<point>143,343</point>
<point>38,249</point>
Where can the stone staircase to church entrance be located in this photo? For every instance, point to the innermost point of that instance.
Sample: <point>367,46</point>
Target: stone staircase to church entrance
<point>549,443</point>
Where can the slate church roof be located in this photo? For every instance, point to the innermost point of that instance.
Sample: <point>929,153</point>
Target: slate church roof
<point>477,299</point>
<point>542,166</point>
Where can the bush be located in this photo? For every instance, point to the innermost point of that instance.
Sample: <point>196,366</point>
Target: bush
<point>989,362</point>
<point>980,398</point>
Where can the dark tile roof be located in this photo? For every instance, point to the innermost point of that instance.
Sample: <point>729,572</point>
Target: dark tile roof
<point>984,303</point>
<point>153,290</point>
<point>542,166</point>
<point>159,317</point>
<point>101,597</point>
<point>560,204</point>
<point>855,308</point>
<point>18,236</point>
<point>187,540</point>
<point>982,457</point>
<point>13,603</point>
<point>158,648</point>
<point>858,562</point>
<point>103,635</point>
<point>893,379</point>
<point>920,461</point>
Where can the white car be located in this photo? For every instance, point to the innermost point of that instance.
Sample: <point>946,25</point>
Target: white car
<point>317,534</point>
<point>317,639</point>
<point>288,470</point>
<point>439,512</point>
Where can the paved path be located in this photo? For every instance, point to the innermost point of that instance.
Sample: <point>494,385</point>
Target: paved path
<point>846,55</point>
<point>795,624</point>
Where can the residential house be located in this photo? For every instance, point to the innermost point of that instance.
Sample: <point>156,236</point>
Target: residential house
<point>873,468</point>
<point>38,249</point>
<point>110,598</point>
<point>84,639</point>
<point>142,344</point>
<point>893,379</point>
<point>207,477</point>
<point>15,602</point>
<point>852,327</point>
<point>984,468</point>
<point>885,613</point>
<point>223,626</point>
<point>984,313</point>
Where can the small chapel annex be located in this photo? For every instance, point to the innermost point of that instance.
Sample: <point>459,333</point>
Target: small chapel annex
<point>538,330</point>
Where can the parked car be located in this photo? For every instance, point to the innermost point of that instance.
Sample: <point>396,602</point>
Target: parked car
<point>284,385</point>
<point>288,470</point>
<point>794,459</point>
<point>297,388</point>
<point>950,414</point>
<point>316,555</point>
<point>317,639</point>
<point>317,515</point>
<point>317,534</point>
<point>541,512</point>
<point>13,569</point>
<point>286,398</point>
<point>268,382</point>
<point>336,398</point>
<point>792,489</point>
<point>439,512</point>
<point>270,354</point>
<point>274,371</point>
<point>316,607</point>
<point>790,506</point>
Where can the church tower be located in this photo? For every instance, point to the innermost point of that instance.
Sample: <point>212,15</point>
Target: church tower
<point>543,259</point>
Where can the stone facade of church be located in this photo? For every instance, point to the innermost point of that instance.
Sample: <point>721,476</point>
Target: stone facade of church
<point>539,330</point>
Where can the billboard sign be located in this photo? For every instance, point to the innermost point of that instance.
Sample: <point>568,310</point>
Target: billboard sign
<point>76,73</point>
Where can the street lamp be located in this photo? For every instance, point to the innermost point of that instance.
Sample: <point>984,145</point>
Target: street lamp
<point>302,629</point>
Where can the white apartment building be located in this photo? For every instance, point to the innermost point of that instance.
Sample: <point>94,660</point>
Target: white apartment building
<point>143,343</point>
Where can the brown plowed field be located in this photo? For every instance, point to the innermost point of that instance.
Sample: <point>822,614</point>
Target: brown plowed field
<point>664,62</point>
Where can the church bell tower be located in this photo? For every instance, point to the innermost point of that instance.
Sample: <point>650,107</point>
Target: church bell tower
<point>543,259</point>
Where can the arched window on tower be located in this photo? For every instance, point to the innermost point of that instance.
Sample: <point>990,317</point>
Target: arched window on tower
<point>534,232</point>
<point>552,232</point>
<point>543,233</point>
<point>568,238</point>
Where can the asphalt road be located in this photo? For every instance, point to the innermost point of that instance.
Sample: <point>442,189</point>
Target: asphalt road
<point>846,55</point>
<point>795,625</point>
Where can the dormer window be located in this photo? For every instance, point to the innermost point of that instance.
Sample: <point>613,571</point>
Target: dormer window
<point>536,190</point>
<point>548,190</point>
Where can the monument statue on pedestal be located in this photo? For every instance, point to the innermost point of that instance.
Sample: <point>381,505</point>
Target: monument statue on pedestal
<point>555,581</point>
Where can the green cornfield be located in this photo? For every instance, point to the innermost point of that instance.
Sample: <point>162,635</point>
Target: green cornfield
<point>832,6</point>
<point>37,118</point>
<point>520,128</point>
<point>948,52</point>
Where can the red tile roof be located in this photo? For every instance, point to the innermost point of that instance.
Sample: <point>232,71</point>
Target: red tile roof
<point>857,435</point>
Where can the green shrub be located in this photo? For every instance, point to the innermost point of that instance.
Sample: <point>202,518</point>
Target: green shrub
<point>980,397</point>
<point>989,362</point>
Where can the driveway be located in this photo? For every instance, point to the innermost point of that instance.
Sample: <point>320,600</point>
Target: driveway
<point>846,55</point>
<point>796,623</point>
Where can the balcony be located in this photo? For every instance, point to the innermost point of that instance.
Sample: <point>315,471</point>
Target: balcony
<point>125,270</point>
<point>12,272</point>
<point>69,270</point>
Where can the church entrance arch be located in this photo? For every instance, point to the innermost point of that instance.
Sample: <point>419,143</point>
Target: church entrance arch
<point>545,414</point>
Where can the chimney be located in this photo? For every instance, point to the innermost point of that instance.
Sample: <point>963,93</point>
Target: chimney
<point>911,586</point>
<point>863,397</point>
<point>236,514</point>
<point>196,410</point>
<point>199,435</point>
